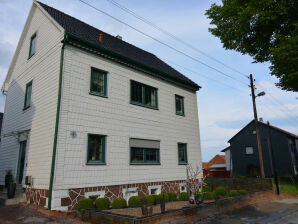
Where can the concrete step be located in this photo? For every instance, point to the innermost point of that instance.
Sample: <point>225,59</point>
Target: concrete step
<point>20,197</point>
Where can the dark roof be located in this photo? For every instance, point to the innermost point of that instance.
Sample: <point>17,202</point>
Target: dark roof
<point>225,149</point>
<point>90,34</point>
<point>268,125</point>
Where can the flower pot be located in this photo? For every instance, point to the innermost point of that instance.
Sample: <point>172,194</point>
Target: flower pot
<point>11,190</point>
<point>8,177</point>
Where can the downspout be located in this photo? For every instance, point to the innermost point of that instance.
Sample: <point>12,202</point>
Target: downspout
<point>56,126</point>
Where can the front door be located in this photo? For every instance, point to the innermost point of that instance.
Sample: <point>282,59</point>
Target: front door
<point>21,163</point>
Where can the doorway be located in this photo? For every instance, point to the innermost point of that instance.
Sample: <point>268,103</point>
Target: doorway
<point>21,162</point>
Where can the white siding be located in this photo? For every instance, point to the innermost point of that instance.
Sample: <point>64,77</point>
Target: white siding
<point>119,120</point>
<point>43,69</point>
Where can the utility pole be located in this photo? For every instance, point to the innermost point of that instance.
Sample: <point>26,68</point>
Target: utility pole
<point>252,87</point>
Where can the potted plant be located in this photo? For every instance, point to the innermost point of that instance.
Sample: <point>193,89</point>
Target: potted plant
<point>8,177</point>
<point>11,188</point>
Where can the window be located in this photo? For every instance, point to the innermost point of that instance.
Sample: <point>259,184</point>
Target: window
<point>28,93</point>
<point>183,187</point>
<point>154,190</point>
<point>179,102</point>
<point>96,149</point>
<point>98,82</point>
<point>249,150</point>
<point>144,151</point>
<point>182,153</point>
<point>143,95</point>
<point>32,48</point>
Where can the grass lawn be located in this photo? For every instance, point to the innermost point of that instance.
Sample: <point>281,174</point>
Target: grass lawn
<point>288,189</point>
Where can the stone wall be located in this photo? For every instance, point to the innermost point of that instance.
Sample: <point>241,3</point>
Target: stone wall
<point>249,184</point>
<point>37,196</point>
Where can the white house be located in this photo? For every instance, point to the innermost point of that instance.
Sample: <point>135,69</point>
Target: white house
<point>88,114</point>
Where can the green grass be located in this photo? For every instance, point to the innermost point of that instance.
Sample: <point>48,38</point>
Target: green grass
<point>288,189</point>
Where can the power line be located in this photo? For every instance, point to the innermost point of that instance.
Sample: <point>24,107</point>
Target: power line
<point>165,44</point>
<point>173,36</point>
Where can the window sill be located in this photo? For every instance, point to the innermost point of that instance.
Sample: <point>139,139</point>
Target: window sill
<point>143,105</point>
<point>182,163</point>
<point>96,163</point>
<point>30,56</point>
<point>179,114</point>
<point>98,94</point>
<point>144,164</point>
<point>25,108</point>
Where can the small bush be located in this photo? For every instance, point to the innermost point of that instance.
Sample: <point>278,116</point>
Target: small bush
<point>233,193</point>
<point>85,203</point>
<point>134,202</point>
<point>243,192</point>
<point>197,196</point>
<point>158,198</point>
<point>172,196</point>
<point>183,196</point>
<point>150,199</point>
<point>102,204</point>
<point>119,203</point>
<point>220,192</point>
<point>206,188</point>
<point>209,196</point>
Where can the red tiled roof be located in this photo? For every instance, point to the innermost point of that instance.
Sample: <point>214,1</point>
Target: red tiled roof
<point>218,159</point>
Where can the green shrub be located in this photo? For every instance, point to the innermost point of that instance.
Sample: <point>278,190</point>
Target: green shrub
<point>209,196</point>
<point>197,196</point>
<point>102,204</point>
<point>150,199</point>
<point>119,203</point>
<point>183,196</point>
<point>172,196</point>
<point>206,188</point>
<point>85,203</point>
<point>158,198</point>
<point>243,192</point>
<point>134,202</point>
<point>220,192</point>
<point>233,193</point>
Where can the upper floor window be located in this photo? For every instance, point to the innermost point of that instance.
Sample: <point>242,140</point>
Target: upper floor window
<point>182,153</point>
<point>144,151</point>
<point>249,150</point>
<point>143,95</point>
<point>96,149</point>
<point>98,82</point>
<point>32,48</point>
<point>179,102</point>
<point>28,93</point>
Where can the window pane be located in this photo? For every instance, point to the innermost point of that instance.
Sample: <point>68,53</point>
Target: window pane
<point>98,82</point>
<point>136,92</point>
<point>150,96</point>
<point>179,104</point>
<point>95,148</point>
<point>151,155</point>
<point>249,150</point>
<point>182,153</point>
<point>137,155</point>
<point>28,95</point>
<point>32,45</point>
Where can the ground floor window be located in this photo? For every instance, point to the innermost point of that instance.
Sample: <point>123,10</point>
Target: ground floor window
<point>143,151</point>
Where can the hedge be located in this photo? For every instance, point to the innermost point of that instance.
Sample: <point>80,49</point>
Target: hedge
<point>102,204</point>
<point>172,196</point>
<point>150,199</point>
<point>183,196</point>
<point>134,202</point>
<point>119,203</point>
<point>85,203</point>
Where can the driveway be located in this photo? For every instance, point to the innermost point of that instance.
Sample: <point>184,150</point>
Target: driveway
<point>278,212</point>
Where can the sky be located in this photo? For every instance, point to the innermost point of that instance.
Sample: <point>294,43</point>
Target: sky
<point>224,105</point>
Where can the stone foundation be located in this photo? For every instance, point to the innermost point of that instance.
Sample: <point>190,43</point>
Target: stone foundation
<point>37,196</point>
<point>115,191</point>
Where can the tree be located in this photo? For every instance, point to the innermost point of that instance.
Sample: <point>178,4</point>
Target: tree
<point>267,30</point>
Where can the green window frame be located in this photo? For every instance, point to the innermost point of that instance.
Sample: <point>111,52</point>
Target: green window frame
<point>182,154</point>
<point>140,155</point>
<point>143,95</point>
<point>98,82</point>
<point>96,152</point>
<point>179,104</point>
<point>32,48</point>
<point>28,95</point>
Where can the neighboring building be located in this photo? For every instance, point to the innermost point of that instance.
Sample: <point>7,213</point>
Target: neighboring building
<point>217,163</point>
<point>88,114</point>
<point>228,155</point>
<point>244,151</point>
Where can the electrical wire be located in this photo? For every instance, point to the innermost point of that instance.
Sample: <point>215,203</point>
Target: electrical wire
<point>165,44</point>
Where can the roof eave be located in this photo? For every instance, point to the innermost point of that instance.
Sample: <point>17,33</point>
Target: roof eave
<point>86,45</point>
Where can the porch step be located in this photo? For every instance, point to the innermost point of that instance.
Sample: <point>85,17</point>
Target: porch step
<point>4,201</point>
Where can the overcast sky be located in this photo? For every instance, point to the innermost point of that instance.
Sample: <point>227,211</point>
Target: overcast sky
<point>223,110</point>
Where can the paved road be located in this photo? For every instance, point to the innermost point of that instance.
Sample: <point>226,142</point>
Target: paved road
<point>278,212</point>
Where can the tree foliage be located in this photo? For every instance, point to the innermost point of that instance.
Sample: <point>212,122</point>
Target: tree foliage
<point>267,30</point>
